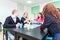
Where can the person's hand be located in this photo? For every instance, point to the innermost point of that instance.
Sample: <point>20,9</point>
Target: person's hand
<point>26,21</point>
<point>41,22</point>
<point>41,29</point>
<point>17,25</point>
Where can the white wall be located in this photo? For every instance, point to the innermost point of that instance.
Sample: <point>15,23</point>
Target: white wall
<point>22,9</point>
<point>6,8</point>
<point>43,4</point>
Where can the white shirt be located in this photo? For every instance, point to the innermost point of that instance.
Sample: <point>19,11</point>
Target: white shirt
<point>14,18</point>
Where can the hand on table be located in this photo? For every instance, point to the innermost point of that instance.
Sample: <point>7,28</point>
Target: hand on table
<point>27,21</point>
<point>17,25</point>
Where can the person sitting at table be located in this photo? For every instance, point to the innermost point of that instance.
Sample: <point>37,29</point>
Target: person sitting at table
<point>25,18</point>
<point>12,22</point>
<point>40,18</point>
<point>51,21</point>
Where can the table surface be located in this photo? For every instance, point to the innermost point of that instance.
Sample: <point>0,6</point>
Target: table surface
<point>35,33</point>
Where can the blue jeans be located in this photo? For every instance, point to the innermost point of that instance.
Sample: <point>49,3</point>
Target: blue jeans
<point>10,36</point>
<point>56,36</point>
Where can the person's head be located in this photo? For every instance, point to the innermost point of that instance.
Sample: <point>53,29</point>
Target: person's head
<point>15,12</point>
<point>50,9</point>
<point>25,14</point>
<point>40,15</point>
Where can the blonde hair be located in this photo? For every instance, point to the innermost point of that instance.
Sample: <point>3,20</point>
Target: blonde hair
<point>14,11</point>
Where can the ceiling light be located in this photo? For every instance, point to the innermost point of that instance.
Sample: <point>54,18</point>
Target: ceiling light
<point>29,2</point>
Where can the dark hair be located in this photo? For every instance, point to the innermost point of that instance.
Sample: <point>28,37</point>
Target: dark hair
<point>58,9</point>
<point>50,9</point>
<point>41,15</point>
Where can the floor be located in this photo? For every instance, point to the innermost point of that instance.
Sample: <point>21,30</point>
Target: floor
<point>1,35</point>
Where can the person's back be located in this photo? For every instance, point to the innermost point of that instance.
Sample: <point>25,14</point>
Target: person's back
<point>51,21</point>
<point>52,25</point>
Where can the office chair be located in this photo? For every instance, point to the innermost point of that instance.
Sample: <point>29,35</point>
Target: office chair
<point>0,26</point>
<point>49,37</point>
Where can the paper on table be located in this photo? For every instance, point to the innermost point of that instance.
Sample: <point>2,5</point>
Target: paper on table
<point>34,26</point>
<point>31,26</point>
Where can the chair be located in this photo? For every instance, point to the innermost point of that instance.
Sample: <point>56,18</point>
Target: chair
<point>4,33</point>
<point>49,37</point>
<point>0,26</point>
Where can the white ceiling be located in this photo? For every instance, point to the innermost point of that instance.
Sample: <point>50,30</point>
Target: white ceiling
<point>33,1</point>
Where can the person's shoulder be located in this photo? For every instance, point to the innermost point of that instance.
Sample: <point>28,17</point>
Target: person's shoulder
<point>17,17</point>
<point>49,16</point>
<point>8,17</point>
<point>22,17</point>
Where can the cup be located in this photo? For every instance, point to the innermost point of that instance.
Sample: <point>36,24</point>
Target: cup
<point>28,26</point>
<point>21,26</point>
